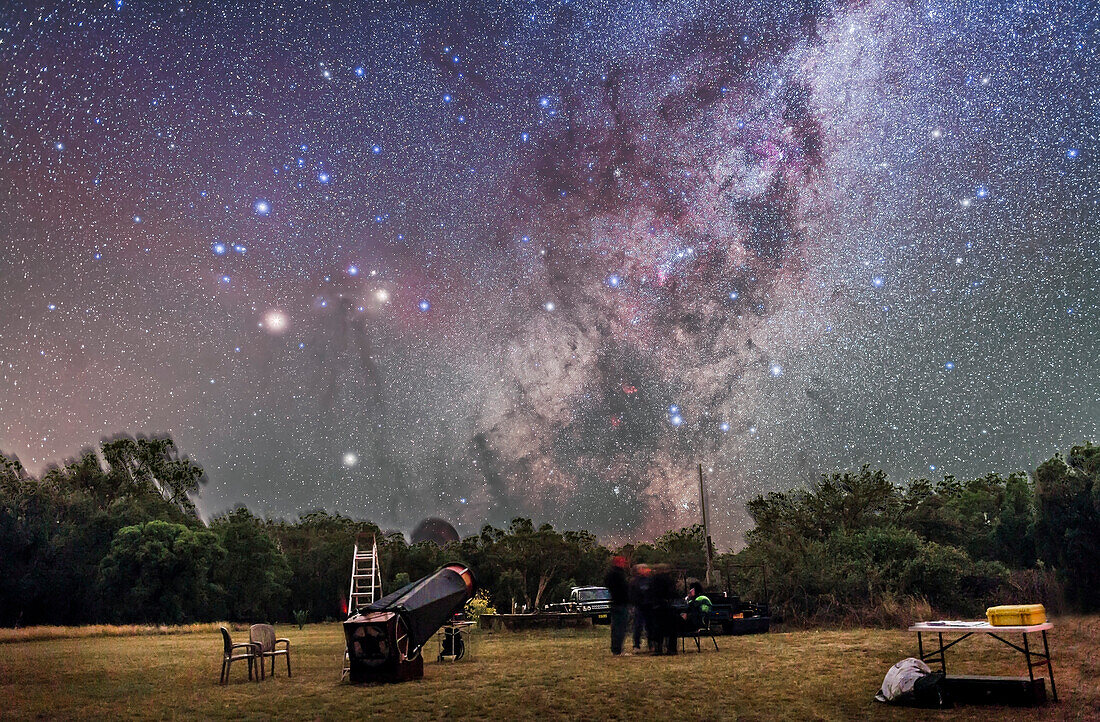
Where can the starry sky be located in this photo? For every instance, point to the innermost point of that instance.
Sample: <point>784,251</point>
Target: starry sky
<point>484,259</point>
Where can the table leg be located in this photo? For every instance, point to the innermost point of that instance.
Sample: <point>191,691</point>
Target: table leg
<point>920,646</point>
<point>1050,667</point>
<point>943,655</point>
<point>1027,655</point>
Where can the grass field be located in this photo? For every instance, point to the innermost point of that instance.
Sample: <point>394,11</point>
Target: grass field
<point>802,675</point>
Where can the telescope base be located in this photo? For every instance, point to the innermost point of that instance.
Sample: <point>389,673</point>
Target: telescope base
<point>395,671</point>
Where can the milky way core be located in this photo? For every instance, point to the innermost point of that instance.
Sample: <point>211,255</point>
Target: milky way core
<point>449,259</point>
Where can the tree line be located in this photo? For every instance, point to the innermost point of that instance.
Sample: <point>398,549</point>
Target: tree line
<point>113,536</point>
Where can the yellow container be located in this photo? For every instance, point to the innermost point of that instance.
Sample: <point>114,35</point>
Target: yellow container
<point>1016,615</point>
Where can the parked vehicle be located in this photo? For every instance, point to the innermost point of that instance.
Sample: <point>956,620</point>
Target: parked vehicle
<point>735,616</point>
<point>591,601</point>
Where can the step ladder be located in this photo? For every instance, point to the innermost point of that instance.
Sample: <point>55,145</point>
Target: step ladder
<point>366,581</point>
<point>366,575</point>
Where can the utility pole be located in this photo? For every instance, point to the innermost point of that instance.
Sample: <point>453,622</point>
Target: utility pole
<point>706,530</point>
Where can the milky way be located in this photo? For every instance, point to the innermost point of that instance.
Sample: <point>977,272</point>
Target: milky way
<point>469,261</point>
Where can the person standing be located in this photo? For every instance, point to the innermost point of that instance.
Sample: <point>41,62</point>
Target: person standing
<point>617,585</point>
<point>667,620</point>
<point>642,603</point>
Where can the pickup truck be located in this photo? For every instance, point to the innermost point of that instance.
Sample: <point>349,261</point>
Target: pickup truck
<point>592,601</point>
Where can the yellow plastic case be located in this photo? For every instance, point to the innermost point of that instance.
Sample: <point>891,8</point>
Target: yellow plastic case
<point>1016,615</point>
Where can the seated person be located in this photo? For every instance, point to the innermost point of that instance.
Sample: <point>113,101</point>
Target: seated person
<point>698,606</point>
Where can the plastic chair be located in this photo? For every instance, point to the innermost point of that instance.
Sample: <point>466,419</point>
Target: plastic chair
<point>251,652</point>
<point>263,635</point>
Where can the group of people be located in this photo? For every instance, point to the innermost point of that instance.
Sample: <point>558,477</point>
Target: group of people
<point>648,598</point>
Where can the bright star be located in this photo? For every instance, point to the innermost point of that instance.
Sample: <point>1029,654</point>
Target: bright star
<point>322,177</point>
<point>776,370</point>
<point>275,321</point>
<point>219,249</point>
<point>261,207</point>
<point>424,306</point>
<point>350,459</point>
<point>353,271</point>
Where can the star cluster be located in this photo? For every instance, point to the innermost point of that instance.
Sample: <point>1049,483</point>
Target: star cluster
<point>477,260</point>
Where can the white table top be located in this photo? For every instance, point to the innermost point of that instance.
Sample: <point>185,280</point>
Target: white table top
<point>980,627</point>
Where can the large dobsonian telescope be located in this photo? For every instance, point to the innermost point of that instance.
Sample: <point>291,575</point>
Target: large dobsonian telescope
<point>385,638</point>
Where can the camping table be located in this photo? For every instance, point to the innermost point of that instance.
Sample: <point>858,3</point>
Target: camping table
<point>461,629</point>
<point>971,628</point>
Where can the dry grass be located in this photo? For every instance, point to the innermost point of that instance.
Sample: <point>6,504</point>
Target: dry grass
<point>34,634</point>
<point>567,674</point>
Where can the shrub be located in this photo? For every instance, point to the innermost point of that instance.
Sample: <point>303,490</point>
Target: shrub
<point>480,604</point>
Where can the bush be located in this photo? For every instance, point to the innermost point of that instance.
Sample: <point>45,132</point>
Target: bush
<point>480,604</point>
<point>1035,586</point>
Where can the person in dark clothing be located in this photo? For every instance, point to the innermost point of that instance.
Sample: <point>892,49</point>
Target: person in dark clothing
<point>699,607</point>
<point>665,616</point>
<point>617,585</point>
<point>641,601</point>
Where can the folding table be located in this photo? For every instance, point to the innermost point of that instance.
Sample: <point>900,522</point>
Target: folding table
<point>968,629</point>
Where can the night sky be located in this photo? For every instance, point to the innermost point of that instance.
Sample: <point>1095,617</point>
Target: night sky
<point>479,260</point>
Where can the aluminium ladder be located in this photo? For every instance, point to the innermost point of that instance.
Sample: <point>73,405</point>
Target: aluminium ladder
<point>366,576</point>
<point>366,582</point>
